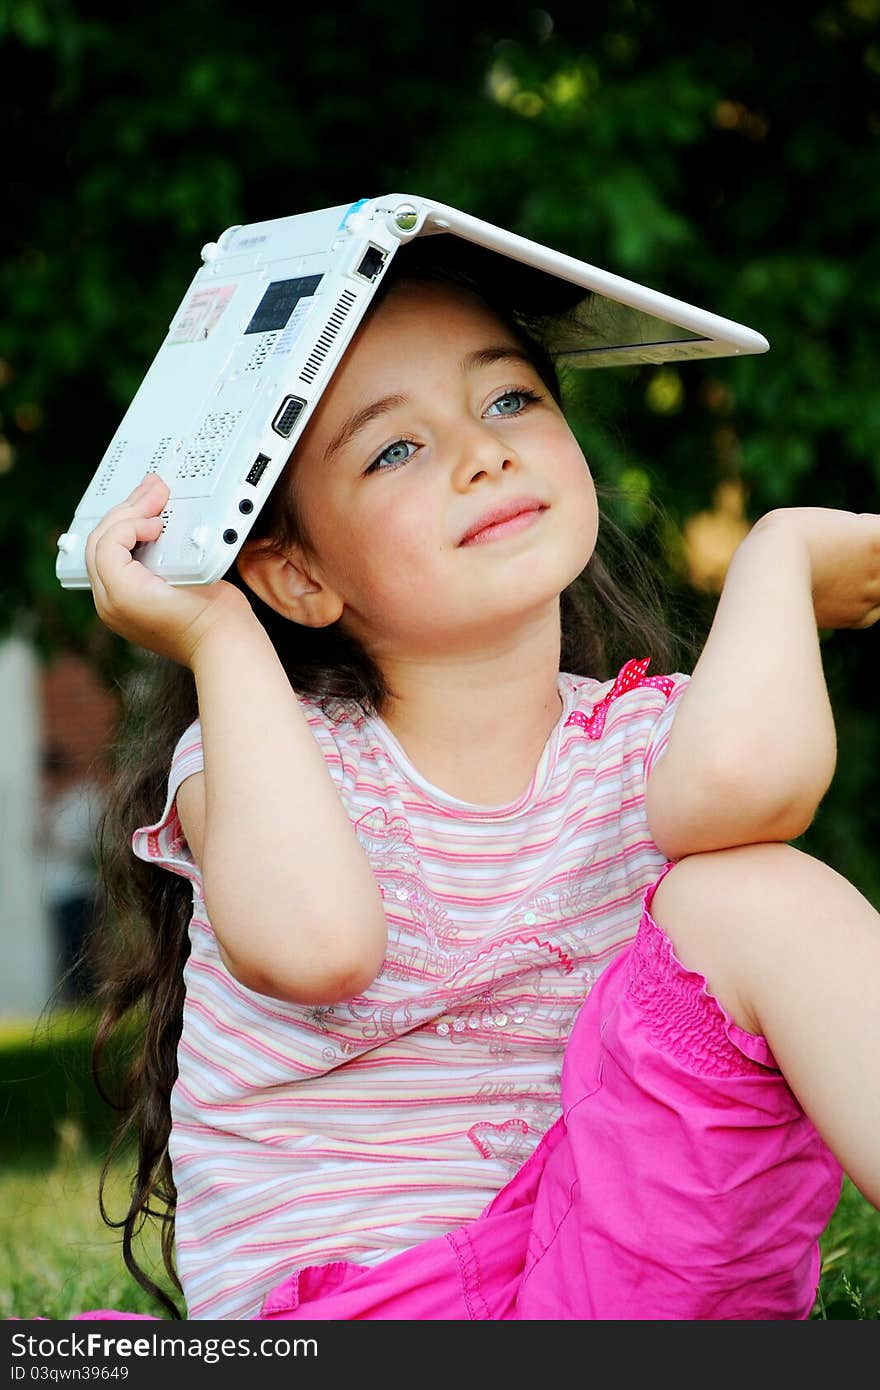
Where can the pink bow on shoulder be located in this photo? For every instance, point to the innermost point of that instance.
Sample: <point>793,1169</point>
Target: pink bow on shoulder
<point>629,677</point>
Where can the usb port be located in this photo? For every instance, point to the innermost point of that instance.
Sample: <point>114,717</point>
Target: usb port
<point>259,467</point>
<point>291,409</point>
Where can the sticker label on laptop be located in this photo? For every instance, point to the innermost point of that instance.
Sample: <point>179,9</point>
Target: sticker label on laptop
<point>292,331</point>
<point>279,301</point>
<point>200,314</point>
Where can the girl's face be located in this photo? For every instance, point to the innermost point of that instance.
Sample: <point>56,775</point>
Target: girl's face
<point>433,417</point>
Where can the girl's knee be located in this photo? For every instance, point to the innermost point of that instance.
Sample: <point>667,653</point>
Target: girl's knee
<point>722,910</point>
<point>697,879</point>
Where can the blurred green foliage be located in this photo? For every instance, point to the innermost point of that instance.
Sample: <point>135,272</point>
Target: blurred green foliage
<point>728,158</point>
<point>47,1088</point>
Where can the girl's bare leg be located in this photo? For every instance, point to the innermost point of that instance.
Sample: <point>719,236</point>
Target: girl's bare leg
<point>792,951</point>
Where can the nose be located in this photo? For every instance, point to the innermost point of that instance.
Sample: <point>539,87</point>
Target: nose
<point>482,450</point>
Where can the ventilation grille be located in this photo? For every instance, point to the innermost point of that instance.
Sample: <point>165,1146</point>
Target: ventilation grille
<point>208,445</point>
<point>159,453</point>
<point>145,545</point>
<point>258,357</point>
<point>325,342</point>
<point>111,463</point>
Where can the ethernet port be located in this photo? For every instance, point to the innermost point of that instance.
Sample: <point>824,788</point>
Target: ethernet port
<point>373,260</point>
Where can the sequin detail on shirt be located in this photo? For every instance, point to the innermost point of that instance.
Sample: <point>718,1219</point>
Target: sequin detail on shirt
<point>303,1134</point>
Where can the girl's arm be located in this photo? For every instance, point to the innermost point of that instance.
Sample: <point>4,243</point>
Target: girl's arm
<point>289,890</point>
<point>752,749</point>
<point>291,895</point>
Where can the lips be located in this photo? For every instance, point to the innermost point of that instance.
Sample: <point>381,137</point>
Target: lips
<point>505,513</point>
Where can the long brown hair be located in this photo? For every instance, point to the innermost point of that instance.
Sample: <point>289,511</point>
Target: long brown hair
<point>139,951</point>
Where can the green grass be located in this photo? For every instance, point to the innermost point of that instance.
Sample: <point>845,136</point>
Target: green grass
<point>850,1282</point>
<point>58,1258</point>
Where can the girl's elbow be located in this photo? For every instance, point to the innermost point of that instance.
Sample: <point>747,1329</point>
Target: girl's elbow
<point>362,970</point>
<point>298,987</point>
<point>335,986</point>
<point>319,981</point>
<point>352,985</point>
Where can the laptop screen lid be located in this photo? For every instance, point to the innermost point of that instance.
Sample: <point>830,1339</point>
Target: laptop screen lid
<point>263,326</point>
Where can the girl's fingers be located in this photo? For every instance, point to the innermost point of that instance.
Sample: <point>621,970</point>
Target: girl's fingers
<point>113,551</point>
<point>112,557</point>
<point>144,498</point>
<point>145,495</point>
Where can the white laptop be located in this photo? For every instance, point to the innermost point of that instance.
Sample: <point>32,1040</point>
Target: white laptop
<point>260,331</point>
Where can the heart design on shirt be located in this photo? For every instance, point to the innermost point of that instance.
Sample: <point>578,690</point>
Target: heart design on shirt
<point>497,1141</point>
<point>380,834</point>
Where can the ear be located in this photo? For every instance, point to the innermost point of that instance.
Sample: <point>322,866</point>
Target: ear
<point>286,583</point>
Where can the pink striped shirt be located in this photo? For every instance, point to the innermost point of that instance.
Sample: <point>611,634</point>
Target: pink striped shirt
<point>303,1134</point>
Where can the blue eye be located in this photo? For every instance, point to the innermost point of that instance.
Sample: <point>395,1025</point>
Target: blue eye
<point>511,395</point>
<point>525,396</point>
<point>393,463</point>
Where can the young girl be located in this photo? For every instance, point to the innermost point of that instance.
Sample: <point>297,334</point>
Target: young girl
<point>478,979</point>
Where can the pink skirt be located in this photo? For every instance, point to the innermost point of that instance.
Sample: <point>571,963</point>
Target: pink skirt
<point>681,1181</point>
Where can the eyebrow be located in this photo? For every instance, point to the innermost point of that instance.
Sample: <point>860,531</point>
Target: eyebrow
<point>481,357</point>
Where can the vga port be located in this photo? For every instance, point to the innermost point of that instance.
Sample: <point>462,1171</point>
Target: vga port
<point>291,409</point>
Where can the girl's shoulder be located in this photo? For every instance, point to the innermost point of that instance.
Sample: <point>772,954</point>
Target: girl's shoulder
<point>595,700</point>
<point>625,722</point>
<point>339,728</point>
<point>590,700</point>
<point>330,715</point>
<point>187,754</point>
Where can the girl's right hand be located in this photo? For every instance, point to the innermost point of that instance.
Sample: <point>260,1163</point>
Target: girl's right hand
<point>138,604</point>
<point>844,556</point>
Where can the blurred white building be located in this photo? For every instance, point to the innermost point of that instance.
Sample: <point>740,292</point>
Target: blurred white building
<point>57,712</point>
<point>27,973</point>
